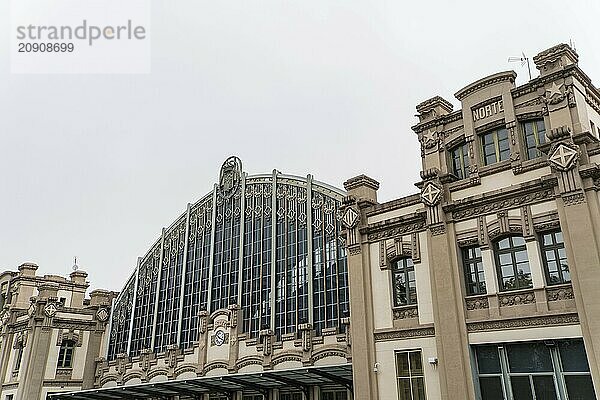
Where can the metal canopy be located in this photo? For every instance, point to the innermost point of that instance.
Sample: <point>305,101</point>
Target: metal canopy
<point>301,378</point>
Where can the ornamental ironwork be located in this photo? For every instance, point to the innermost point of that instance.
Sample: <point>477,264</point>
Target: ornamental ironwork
<point>269,245</point>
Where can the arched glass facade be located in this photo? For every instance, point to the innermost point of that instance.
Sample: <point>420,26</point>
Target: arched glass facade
<point>269,244</point>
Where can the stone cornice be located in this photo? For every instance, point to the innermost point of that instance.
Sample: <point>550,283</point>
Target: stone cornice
<point>359,181</point>
<point>394,334</point>
<point>395,204</point>
<point>505,76</point>
<point>523,322</point>
<point>441,120</point>
<point>518,195</point>
<point>393,227</point>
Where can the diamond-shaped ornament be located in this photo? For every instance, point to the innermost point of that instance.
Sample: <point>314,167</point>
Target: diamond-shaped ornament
<point>431,194</point>
<point>50,310</point>
<point>563,157</point>
<point>5,317</point>
<point>350,218</point>
<point>102,315</point>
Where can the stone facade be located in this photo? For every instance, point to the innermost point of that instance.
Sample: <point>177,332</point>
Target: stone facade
<point>42,316</point>
<point>482,285</point>
<point>485,178</point>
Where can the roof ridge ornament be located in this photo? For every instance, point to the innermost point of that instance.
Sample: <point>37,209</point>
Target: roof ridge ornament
<point>230,177</point>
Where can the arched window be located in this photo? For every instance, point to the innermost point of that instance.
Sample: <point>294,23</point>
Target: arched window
<point>512,263</point>
<point>65,355</point>
<point>403,281</point>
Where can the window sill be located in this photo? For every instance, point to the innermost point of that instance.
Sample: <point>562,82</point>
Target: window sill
<point>405,312</point>
<point>494,168</point>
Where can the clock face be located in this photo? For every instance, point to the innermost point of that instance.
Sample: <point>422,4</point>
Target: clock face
<point>219,337</point>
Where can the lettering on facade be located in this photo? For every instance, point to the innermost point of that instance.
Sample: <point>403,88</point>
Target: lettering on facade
<point>488,110</point>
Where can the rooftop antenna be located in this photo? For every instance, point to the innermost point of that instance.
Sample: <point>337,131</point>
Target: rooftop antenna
<point>75,266</point>
<point>523,60</point>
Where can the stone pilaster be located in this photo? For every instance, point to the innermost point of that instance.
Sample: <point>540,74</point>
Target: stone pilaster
<point>448,309</point>
<point>41,315</point>
<point>579,214</point>
<point>362,194</point>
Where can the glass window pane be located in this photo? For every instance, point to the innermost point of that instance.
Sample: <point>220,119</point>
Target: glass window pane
<point>418,388</point>
<point>488,361</point>
<point>491,388</point>
<point>580,387</point>
<point>518,241</point>
<point>521,256</point>
<point>505,259</point>
<point>559,237</point>
<point>544,387</point>
<point>504,244</point>
<point>507,271</point>
<point>521,388</point>
<point>529,357</point>
<point>572,356</point>
<point>416,366</point>
<point>404,389</point>
<point>402,369</point>
<point>502,134</point>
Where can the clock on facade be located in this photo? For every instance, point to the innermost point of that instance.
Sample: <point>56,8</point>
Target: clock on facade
<point>219,337</point>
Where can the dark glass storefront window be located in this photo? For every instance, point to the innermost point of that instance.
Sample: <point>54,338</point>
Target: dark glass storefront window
<point>534,370</point>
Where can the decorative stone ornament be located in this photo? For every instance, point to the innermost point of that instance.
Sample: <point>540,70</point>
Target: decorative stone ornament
<point>554,94</point>
<point>102,314</point>
<point>4,317</point>
<point>431,194</point>
<point>429,138</point>
<point>563,157</point>
<point>31,310</point>
<point>230,177</point>
<point>50,310</point>
<point>350,218</point>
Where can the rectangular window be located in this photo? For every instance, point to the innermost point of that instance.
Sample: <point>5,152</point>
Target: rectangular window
<point>473,268</point>
<point>290,396</point>
<point>409,375</point>
<point>65,355</point>
<point>592,128</point>
<point>534,370</point>
<point>460,161</point>
<point>534,134</point>
<point>512,263</point>
<point>404,283</point>
<point>334,395</point>
<point>555,258</point>
<point>18,358</point>
<point>495,146</point>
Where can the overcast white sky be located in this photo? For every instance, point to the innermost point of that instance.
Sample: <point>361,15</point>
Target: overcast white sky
<point>96,165</point>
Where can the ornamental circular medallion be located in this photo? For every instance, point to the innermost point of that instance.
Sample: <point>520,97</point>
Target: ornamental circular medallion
<point>102,315</point>
<point>219,337</point>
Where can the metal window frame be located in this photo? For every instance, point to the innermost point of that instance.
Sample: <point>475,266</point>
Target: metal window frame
<point>511,250</point>
<point>466,262</point>
<point>404,271</point>
<point>554,247</point>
